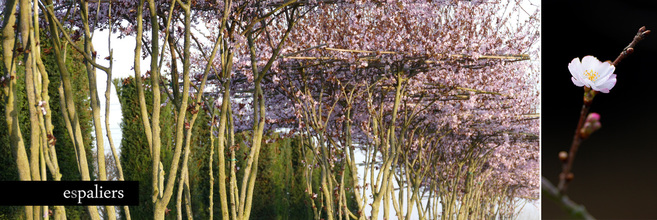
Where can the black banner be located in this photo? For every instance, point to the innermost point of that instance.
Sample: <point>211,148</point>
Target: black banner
<point>70,193</point>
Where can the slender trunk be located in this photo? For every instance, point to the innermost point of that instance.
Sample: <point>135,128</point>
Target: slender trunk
<point>257,144</point>
<point>158,205</point>
<point>211,165</point>
<point>35,144</point>
<point>251,171</point>
<point>325,188</point>
<point>11,110</point>
<point>46,123</point>
<point>70,107</point>
<point>95,103</point>
<point>184,175</point>
<point>351,158</point>
<point>233,162</point>
<point>11,106</point>
<point>221,143</point>
<point>179,194</point>
<point>30,86</point>
<point>138,82</point>
<point>390,151</point>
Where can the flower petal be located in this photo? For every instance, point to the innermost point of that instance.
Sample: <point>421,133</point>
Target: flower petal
<point>605,71</point>
<point>576,70</point>
<point>577,82</point>
<point>590,62</point>
<point>607,85</point>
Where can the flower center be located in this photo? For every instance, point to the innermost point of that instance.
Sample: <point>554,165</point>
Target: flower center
<point>591,75</point>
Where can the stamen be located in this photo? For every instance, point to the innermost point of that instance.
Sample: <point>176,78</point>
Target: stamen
<point>591,75</point>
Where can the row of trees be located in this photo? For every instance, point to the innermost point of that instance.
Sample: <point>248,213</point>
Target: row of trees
<point>438,96</point>
<point>279,190</point>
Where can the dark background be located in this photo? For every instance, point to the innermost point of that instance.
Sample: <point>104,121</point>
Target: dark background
<point>615,169</point>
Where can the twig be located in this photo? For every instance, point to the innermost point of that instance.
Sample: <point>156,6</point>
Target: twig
<point>642,33</point>
<point>551,192</point>
<point>566,176</point>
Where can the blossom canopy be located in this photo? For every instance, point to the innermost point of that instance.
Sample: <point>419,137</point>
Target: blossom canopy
<point>590,72</point>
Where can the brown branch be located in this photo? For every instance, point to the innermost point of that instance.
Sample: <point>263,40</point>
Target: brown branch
<point>642,33</point>
<point>566,175</point>
<point>443,56</point>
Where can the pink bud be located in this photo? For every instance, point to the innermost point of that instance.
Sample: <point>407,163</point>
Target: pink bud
<point>593,117</point>
<point>591,125</point>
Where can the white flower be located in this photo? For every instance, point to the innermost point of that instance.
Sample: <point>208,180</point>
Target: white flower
<point>593,73</point>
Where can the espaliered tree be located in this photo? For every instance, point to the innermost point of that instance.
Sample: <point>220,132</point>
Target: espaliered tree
<point>247,46</point>
<point>240,21</point>
<point>436,94</point>
<point>440,97</point>
<point>234,29</point>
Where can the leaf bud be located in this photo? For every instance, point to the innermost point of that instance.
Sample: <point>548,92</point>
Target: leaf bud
<point>563,156</point>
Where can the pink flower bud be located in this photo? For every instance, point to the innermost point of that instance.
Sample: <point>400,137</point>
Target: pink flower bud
<point>593,117</point>
<point>591,125</point>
